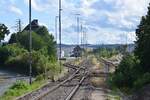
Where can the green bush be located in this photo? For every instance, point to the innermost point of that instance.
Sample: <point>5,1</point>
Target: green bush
<point>126,73</point>
<point>37,41</point>
<point>10,51</point>
<point>20,85</point>
<point>17,88</point>
<point>105,52</point>
<point>141,81</point>
<point>15,55</point>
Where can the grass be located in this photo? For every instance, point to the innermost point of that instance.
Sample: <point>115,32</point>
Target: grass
<point>20,88</point>
<point>114,95</point>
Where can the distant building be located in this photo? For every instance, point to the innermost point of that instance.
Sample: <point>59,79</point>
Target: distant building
<point>34,25</point>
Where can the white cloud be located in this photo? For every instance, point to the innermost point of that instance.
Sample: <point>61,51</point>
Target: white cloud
<point>120,21</point>
<point>128,12</point>
<point>15,9</point>
<point>38,5</point>
<point>108,20</point>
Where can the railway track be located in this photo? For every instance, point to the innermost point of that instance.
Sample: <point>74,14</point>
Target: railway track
<point>60,90</point>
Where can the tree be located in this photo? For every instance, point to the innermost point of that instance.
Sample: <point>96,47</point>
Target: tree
<point>37,41</point>
<point>127,72</point>
<point>3,31</point>
<point>143,42</point>
<point>41,40</point>
<point>13,38</point>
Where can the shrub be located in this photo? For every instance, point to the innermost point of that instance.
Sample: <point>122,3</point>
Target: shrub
<point>20,85</point>
<point>126,73</point>
<point>10,51</point>
<point>40,63</point>
<point>141,81</point>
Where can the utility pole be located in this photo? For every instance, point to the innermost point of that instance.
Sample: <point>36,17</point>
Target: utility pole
<point>86,43</point>
<point>81,35</point>
<point>56,36</point>
<point>56,28</point>
<point>78,29</point>
<point>30,45</point>
<point>81,41</point>
<point>60,33</point>
<point>126,42</point>
<point>18,25</point>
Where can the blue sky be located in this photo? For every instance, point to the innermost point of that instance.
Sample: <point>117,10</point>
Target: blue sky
<point>105,21</point>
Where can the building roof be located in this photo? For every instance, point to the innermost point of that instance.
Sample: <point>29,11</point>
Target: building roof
<point>34,25</point>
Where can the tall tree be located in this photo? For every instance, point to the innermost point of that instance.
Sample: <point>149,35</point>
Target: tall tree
<point>3,31</point>
<point>143,42</point>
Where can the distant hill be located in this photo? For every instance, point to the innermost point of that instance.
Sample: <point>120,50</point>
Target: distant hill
<point>68,48</point>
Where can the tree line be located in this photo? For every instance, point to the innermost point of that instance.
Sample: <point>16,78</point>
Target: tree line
<point>134,70</point>
<point>14,55</point>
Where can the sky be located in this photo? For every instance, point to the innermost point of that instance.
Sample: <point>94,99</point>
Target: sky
<point>104,21</point>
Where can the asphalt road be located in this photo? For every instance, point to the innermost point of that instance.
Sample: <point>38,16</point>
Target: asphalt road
<point>7,79</point>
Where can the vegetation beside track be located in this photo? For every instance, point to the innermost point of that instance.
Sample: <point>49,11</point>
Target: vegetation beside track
<point>22,87</point>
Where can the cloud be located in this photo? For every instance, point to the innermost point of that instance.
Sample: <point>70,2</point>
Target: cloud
<point>107,21</point>
<point>39,5</point>
<point>15,9</point>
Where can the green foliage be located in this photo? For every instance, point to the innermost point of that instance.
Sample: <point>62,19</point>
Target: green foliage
<point>143,42</point>
<point>20,63</point>
<point>4,54</point>
<point>42,31</point>
<point>41,41</point>
<point>37,41</point>
<point>20,88</point>
<point>105,52</point>
<point>20,85</point>
<point>126,73</point>
<point>3,31</point>
<point>17,89</point>
<point>142,80</point>
<point>10,51</point>
<point>134,71</point>
<point>15,55</point>
<point>13,38</point>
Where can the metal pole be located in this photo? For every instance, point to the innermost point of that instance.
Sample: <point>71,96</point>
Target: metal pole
<point>30,45</point>
<point>60,33</point>
<point>78,30</point>
<point>81,35</point>
<point>82,46</point>
<point>19,25</point>
<point>56,20</point>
